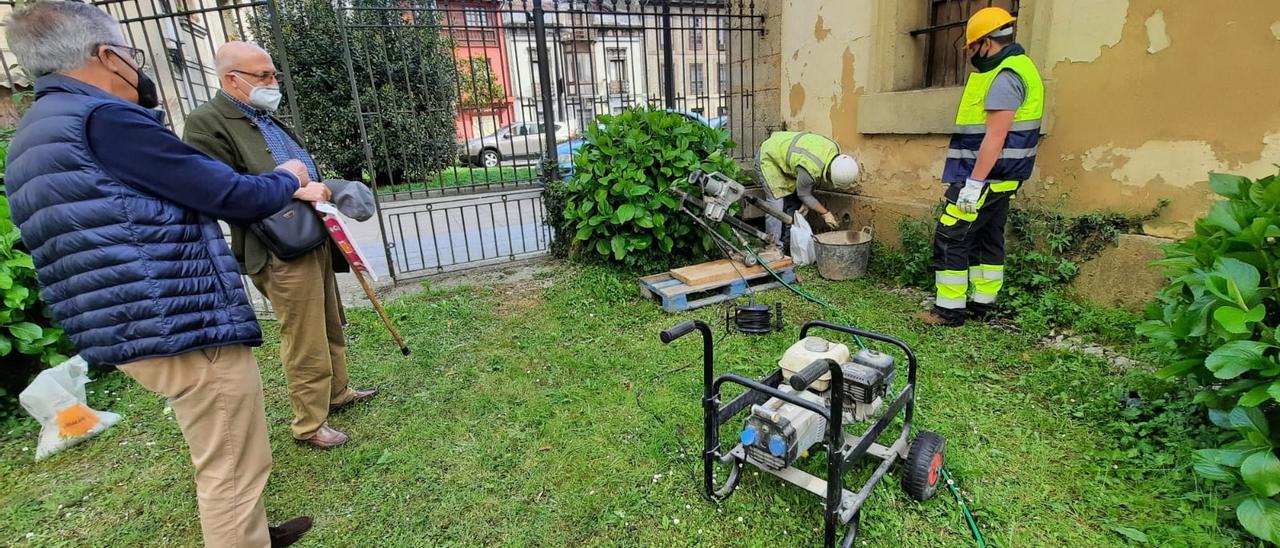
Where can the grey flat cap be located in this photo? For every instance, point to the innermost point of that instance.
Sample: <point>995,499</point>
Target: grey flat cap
<point>352,198</point>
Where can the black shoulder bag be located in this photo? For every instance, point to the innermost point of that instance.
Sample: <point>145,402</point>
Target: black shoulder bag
<point>292,231</point>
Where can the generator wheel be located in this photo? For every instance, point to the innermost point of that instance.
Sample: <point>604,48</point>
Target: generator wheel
<point>924,466</point>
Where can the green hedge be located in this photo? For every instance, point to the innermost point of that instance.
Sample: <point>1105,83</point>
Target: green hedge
<point>620,205</point>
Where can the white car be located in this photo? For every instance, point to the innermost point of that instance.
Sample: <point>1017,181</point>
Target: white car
<point>518,140</point>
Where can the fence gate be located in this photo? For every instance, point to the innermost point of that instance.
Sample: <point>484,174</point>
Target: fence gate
<point>468,108</point>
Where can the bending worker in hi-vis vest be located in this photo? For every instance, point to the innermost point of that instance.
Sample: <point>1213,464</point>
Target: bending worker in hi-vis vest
<point>992,151</point>
<point>791,163</point>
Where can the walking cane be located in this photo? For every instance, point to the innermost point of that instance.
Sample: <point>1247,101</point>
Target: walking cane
<point>368,291</point>
<point>338,231</point>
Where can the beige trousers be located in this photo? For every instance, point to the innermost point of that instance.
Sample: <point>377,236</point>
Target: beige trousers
<point>304,293</point>
<point>216,394</point>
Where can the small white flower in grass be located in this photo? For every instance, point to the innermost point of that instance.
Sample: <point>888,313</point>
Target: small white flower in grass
<point>675,521</point>
<point>699,531</point>
<point>31,536</point>
<point>741,519</point>
<point>24,449</point>
<point>687,507</point>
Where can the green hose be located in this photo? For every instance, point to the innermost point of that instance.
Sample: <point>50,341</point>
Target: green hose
<point>973,525</point>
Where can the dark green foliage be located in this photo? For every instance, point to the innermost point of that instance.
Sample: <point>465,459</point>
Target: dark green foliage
<point>619,203</point>
<point>28,337</point>
<point>1217,325</point>
<point>406,77</point>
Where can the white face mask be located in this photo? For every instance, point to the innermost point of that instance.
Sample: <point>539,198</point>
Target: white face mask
<point>264,97</point>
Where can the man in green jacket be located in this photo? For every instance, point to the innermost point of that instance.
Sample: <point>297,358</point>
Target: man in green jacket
<point>237,127</point>
<point>791,164</point>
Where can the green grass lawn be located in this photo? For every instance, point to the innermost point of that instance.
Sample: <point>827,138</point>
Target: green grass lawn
<point>516,422</point>
<point>455,177</point>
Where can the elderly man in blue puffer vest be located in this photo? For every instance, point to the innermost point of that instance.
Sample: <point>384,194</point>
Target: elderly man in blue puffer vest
<point>119,215</point>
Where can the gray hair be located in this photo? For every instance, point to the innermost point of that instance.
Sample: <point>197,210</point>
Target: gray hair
<point>54,36</point>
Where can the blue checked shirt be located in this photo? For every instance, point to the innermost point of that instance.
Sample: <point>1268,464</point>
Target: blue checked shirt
<point>283,148</point>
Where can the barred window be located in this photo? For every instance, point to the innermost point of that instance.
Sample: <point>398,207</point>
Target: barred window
<point>946,63</point>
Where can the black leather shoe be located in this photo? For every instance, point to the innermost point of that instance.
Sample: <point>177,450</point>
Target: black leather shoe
<point>289,532</point>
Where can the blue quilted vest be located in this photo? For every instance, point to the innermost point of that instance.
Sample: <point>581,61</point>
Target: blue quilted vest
<point>127,275</point>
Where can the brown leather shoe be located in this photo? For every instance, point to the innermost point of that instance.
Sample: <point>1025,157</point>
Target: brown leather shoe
<point>289,532</point>
<point>932,318</point>
<point>359,396</point>
<point>325,438</point>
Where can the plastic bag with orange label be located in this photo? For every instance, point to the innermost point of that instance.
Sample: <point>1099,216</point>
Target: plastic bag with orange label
<point>56,399</point>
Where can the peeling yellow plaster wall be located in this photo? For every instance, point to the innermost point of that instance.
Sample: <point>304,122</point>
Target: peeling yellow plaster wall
<point>1082,29</point>
<point>1131,127</point>
<point>1157,38</point>
<point>825,80</point>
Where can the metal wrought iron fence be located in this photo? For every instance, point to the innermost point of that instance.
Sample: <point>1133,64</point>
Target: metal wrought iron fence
<point>597,57</point>
<point>528,79</point>
<point>466,232</point>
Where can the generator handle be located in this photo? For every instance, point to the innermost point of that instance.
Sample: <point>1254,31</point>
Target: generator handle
<point>708,351</point>
<point>678,330</point>
<point>811,373</point>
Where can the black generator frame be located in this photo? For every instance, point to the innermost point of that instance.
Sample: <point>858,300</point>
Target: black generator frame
<point>841,456</point>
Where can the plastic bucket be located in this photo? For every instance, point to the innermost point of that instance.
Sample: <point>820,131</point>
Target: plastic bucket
<point>842,255</point>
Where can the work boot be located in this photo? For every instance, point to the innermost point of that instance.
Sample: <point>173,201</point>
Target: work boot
<point>937,317</point>
<point>357,396</point>
<point>289,532</point>
<point>325,438</point>
<point>980,312</point>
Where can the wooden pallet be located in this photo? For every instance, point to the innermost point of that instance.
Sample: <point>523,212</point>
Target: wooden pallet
<point>675,295</point>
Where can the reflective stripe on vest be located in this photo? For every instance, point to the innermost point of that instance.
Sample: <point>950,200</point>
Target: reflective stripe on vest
<point>1017,159</point>
<point>788,150</point>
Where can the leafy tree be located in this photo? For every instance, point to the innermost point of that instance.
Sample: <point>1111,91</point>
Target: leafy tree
<point>405,72</point>
<point>479,85</point>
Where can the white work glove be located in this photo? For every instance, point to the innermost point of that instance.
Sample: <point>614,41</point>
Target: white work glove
<point>830,219</point>
<point>969,195</point>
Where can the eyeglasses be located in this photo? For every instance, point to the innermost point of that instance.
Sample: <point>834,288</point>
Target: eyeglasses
<point>138,56</point>
<point>264,76</point>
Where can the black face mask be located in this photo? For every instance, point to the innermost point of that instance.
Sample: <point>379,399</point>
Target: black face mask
<point>148,97</point>
<point>986,63</point>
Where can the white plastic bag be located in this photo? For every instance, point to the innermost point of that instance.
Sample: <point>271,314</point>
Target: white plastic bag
<point>803,251</point>
<point>56,399</point>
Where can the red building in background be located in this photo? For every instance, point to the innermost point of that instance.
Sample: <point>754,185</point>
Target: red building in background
<point>479,46</point>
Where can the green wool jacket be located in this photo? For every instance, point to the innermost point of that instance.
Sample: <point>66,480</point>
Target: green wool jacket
<point>220,129</point>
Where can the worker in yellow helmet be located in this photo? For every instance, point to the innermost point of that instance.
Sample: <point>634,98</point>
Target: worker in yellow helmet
<point>791,163</point>
<point>992,151</point>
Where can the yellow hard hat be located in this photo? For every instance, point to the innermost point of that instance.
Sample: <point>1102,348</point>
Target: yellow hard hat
<point>986,21</point>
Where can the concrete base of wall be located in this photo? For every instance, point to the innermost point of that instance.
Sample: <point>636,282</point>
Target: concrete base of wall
<point>881,214</point>
<point>1119,277</point>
